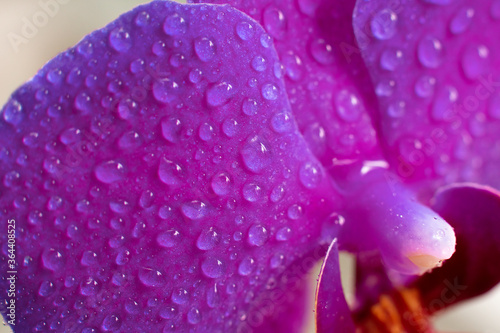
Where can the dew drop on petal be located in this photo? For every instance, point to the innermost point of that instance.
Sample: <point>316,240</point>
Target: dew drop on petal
<point>109,172</point>
<point>180,296</point>
<point>246,266</point>
<point>396,109</point>
<point>256,155</point>
<point>174,25</point>
<point>391,59</point>
<point>270,92</point>
<point>424,87</point>
<point>205,48</point>
<point>194,210</point>
<point>322,52</point>
<point>219,94</point>
<point>206,132</point>
<point>282,122</point>
<point>169,172</point>
<point>111,323</point>
<point>383,24</point>
<point>120,40</point>
<point>444,101</point>
<point>295,212</point>
<point>245,30</point>
<point>283,234</point>
<point>151,277</point>
<point>259,63</point>
<point>275,22</point>
<point>221,184</point>
<point>475,61</point>
<point>349,107</point>
<point>208,239</point>
<point>277,193</point>
<point>230,127</point>
<point>310,175</point>
<point>213,267</point>
<point>257,235</point>
<point>169,238</point>
<point>430,52</point>
<point>461,20</point>
<point>251,192</point>
<point>250,107</point>
<point>170,129</point>
<point>194,316</point>
<point>13,112</point>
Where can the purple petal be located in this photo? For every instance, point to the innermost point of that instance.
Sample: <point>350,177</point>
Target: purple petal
<point>436,73</point>
<point>144,197</point>
<point>474,212</point>
<point>332,312</point>
<point>326,80</point>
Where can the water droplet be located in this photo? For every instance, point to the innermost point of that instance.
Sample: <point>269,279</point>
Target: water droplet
<point>430,52</point>
<point>70,136</point>
<point>385,88</point>
<point>424,87</point>
<point>475,61</point>
<point>165,91</point>
<point>109,172</point>
<point>146,199</point>
<point>294,68</point>
<point>246,266</point>
<point>245,30</point>
<point>277,193</point>
<point>277,260</point>
<point>208,239</point>
<point>47,288</point>
<point>256,155</point>
<point>89,258</point>
<point>349,107</point>
<point>462,20</point>
<point>230,127</point>
<point>250,107</point>
<point>53,260</point>
<point>174,25</point>
<point>169,238</point>
<point>259,63</point>
<point>55,76</point>
<point>221,184</point>
<point>391,59</point>
<point>206,132</point>
<point>282,122</point>
<point>220,94</point>
<point>251,192</point>
<point>322,52</point>
<point>159,48</point>
<point>83,102</point>
<point>194,316</point>
<point>265,40</point>
<point>275,22</point>
<point>180,296</point>
<point>168,312</point>
<point>284,234</point>
<point>213,267</point>
<point>396,109</point>
<point>111,323</point>
<point>383,24</point>
<point>142,19</point>
<point>120,39</point>
<point>270,91</point>
<point>310,174</point>
<point>151,277</point>
<point>205,48</point>
<point>257,235</point>
<point>137,66</point>
<point>13,112</point>
<point>130,141</point>
<point>194,210</point>
<point>444,103</point>
<point>170,129</point>
<point>123,257</point>
<point>295,212</point>
<point>89,287</point>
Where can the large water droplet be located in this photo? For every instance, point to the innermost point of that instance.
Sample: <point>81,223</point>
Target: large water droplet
<point>213,267</point>
<point>219,94</point>
<point>424,87</point>
<point>194,210</point>
<point>257,235</point>
<point>221,184</point>
<point>174,25</point>
<point>322,52</point>
<point>461,20</point>
<point>259,63</point>
<point>475,61</point>
<point>213,297</point>
<point>205,48</point>
<point>270,92</point>
<point>396,109</point>
<point>391,59</point>
<point>444,103</point>
<point>250,107</point>
<point>245,30</point>
<point>53,260</point>
<point>230,127</point>
<point>165,91</point>
<point>310,174</point>
<point>111,323</point>
<point>169,238</point>
<point>180,296</point>
<point>206,132</point>
<point>383,24</point>
<point>295,212</point>
<point>256,155</point>
<point>13,112</point>
<point>208,239</point>
<point>194,316</point>
<point>246,266</point>
<point>283,234</point>
<point>294,67</point>
<point>275,22</point>
<point>277,193</point>
<point>120,39</point>
<point>89,258</point>
<point>89,287</point>
<point>349,107</point>
<point>277,260</point>
<point>282,122</point>
<point>109,172</point>
<point>430,52</point>
<point>251,192</point>
<point>169,172</point>
<point>151,277</point>
<point>83,103</point>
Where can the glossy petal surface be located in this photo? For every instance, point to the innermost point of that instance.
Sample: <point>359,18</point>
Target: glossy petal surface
<point>145,197</point>
<point>440,117</point>
<point>326,80</point>
<point>474,213</point>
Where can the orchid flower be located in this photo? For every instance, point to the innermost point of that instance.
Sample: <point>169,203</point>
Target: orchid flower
<point>184,167</point>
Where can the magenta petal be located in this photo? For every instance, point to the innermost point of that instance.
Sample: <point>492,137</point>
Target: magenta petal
<point>332,311</point>
<point>144,196</point>
<point>436,69</point>
<point>326,80</point>
<point>474,213</point>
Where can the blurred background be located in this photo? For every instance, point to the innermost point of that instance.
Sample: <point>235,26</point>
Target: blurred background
<point>20,58</point>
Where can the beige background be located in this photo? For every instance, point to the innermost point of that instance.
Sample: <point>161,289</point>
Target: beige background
<point>75,19</point>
